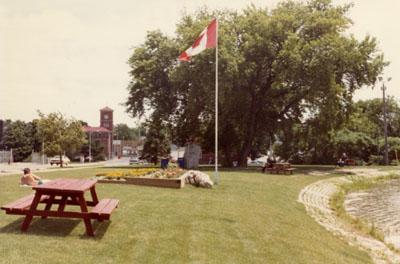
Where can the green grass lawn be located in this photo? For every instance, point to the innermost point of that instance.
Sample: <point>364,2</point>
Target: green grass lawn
<point>249,217</point>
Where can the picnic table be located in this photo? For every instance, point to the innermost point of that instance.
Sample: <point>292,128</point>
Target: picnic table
<point>281,167</point>
<point>63,192</point>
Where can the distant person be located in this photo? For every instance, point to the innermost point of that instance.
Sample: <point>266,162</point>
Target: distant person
<point>342,159</point>
<point>30,179</point>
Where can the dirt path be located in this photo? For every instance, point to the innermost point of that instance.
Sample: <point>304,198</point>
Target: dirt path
<point>315,198</point>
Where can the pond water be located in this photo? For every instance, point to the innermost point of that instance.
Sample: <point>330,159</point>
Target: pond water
<point>380,206</point>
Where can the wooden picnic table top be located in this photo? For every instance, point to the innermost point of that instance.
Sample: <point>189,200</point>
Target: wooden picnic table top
<point>280,164</point>
<point>66,185</point>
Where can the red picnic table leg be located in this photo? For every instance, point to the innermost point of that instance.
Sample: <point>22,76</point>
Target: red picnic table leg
<point>33,207</point>
<point>88,224</point>
<point>49,204</point>
<point>63,203</point>
<point>94,195</point>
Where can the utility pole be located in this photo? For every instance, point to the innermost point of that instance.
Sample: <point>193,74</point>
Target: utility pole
<point>384,119</point>
<point>90,146</point>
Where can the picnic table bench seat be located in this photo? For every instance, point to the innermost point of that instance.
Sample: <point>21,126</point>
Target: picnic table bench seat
<point>289,170</point>
<point>348,162</point>
<point>22,204</point>
<point>104,209</point>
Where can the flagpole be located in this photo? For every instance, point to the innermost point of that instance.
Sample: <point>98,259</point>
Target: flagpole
<point>216,105</point>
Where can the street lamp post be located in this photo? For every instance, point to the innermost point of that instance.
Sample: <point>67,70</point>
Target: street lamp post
<point>90,146</point>
<point>384,119</point>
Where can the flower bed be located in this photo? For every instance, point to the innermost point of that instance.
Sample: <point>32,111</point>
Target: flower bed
<point>170,178</point>
<point>118,175</point>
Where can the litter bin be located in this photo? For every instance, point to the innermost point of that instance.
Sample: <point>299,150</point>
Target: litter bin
<point>164,164</point>
<point>181,163</point>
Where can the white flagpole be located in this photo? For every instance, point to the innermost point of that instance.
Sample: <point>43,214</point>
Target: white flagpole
<point>216,105</point>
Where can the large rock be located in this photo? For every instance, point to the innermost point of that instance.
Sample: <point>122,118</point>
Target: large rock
<point>198,179</point>
<point>192,156</point>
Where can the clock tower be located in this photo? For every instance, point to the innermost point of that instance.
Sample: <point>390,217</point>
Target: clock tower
<point>106,118</point>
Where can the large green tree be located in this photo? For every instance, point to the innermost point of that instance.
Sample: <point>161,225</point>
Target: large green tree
<point>60,134</point>
<point>368,117</point>
<point>277,67</point>
<point>18,136</point>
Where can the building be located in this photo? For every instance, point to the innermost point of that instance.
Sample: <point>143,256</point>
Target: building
<point>128,148</point>
<point>104,132</point>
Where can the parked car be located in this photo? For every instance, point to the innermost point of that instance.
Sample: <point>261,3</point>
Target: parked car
<point>255,162</point>
<point>56,160</point>
<point>133,160</point>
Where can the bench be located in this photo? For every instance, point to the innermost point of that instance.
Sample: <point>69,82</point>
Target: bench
<point>348,162</point>
<point>22,204</point>
<point>104,209</point>
<point>272,169</point>
<point>289,170</point>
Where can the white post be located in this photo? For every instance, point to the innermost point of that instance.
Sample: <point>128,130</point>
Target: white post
<point>109,147</point>
<point>216,105</point>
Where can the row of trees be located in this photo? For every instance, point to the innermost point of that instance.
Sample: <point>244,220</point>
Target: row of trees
<point>360,136</point>
<point>55,135</point>
<point>124,132</point>
<point>52,134</point>
<point>283,73</point>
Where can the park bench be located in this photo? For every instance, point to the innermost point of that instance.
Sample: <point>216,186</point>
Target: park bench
<point>103,210</point>
<point>348,162</point>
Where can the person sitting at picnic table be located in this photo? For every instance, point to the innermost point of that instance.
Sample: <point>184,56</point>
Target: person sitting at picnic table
<point>269,163</point>
<point>342,160</point>
<point>30,179</point>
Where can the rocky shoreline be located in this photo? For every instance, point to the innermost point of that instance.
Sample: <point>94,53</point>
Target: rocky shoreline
<point>316,199</point>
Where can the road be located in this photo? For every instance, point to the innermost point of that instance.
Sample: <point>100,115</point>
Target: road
<point>18,167</point>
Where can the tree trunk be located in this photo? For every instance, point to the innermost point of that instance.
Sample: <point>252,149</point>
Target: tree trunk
<point>61,161</point>
<point>251,129</point>
<point>228,157</point>
<point>256,105</point>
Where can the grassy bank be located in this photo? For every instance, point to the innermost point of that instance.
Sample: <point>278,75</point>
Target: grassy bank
<point>248,218</point>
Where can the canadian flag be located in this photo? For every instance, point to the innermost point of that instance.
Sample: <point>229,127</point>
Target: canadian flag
<point>207,39</point>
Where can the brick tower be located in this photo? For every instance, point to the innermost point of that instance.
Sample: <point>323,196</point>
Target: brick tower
<point>106,118</point>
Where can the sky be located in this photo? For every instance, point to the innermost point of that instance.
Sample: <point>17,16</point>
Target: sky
<point>70,56</point>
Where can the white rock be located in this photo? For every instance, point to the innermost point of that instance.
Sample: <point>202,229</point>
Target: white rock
<point>198,179</point>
